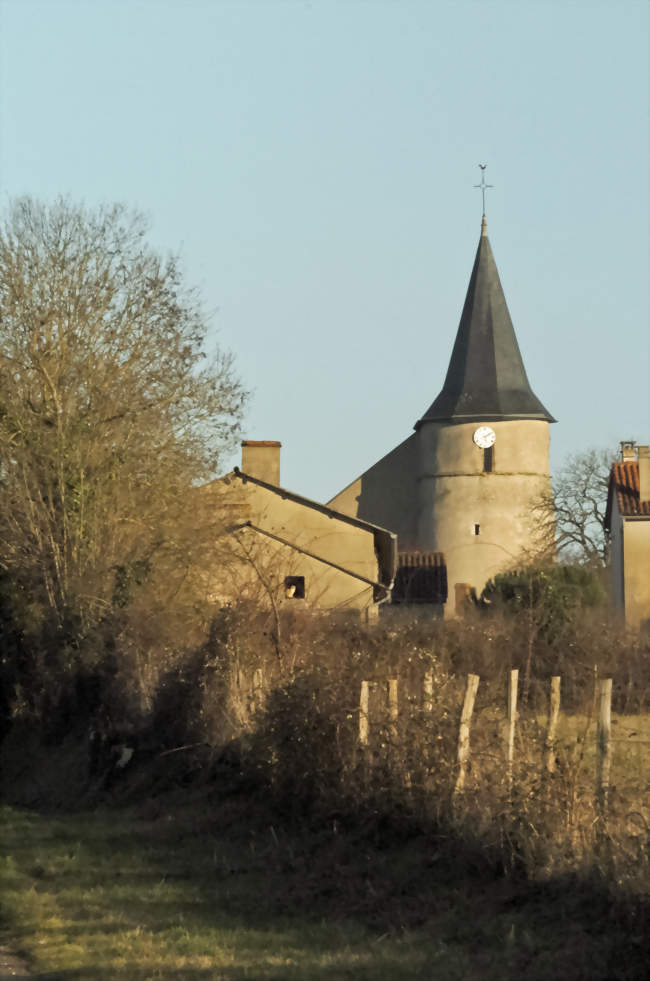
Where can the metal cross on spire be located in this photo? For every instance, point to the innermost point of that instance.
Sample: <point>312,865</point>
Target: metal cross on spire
<point>483,186</point>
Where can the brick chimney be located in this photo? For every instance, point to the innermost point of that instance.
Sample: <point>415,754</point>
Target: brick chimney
<point>644,473</point>
<point>628,450</point>
<point>261,458</point>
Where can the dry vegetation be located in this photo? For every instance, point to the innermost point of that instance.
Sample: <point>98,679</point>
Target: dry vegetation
<point>256,760</point>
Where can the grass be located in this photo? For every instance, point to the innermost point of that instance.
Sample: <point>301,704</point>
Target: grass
<point>630,753</point>
<point>115,895</point>
<point>189,889</point>
<point>284,858</point>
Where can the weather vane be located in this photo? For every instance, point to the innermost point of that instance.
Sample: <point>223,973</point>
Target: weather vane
<point>483,186</point>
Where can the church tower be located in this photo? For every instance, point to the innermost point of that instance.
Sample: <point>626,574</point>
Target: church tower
<point>483,445</point>
<point>462,485</point>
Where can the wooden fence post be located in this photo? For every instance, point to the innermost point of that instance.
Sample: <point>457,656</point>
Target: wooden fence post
<point>553,715</point>
<point>391,698</point>
<point>427,691</point>
<point>364,718</point>
<point>603,744</point>
<point>513,683</point>
<point>464,729</point>
<point>258,688</point>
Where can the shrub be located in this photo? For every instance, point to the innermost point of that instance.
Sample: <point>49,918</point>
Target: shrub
<point>551,594</point>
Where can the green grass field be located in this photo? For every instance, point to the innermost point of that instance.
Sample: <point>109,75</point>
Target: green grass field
<point>190,891</point>
<point>116,896</point>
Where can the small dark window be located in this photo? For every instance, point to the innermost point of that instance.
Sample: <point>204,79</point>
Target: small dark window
<point>488,459</point>
<point>477,529</point>
<point>294,587</point>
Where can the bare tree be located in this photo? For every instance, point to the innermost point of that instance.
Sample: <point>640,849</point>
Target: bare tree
<point>110,411</point>
<point>569,520</point>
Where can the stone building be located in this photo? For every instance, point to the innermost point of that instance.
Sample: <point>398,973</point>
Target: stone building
<point>463,483</point>
<point>280,547</point>
<point>627,520</point>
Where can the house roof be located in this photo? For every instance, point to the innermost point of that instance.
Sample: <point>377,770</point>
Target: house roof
<point>624,482</point>
<point>486,378</point>
<point>385,541</point>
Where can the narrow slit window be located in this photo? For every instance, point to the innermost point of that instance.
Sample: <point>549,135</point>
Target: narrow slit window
<point>488,459</point>
<point>477,529</point>
<point>294,587</point>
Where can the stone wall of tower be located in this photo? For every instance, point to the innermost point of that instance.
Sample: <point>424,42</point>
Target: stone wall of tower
<point>481,521</point>
<point>385,494</point>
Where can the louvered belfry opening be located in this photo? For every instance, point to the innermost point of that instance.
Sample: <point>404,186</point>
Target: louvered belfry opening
<point>421,578</point>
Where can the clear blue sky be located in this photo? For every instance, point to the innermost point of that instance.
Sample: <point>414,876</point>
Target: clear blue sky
<point>315,161</point>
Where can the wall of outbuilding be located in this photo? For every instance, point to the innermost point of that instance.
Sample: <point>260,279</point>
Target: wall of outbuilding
<point>636,553</point>
<point>274,537</point>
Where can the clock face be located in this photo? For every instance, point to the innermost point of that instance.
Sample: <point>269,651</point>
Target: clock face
<point>484,437</point>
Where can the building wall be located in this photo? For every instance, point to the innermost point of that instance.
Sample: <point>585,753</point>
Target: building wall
<point>431,491</point>
<point>258,562</point>
<point>616,559</point>
<point>455,496</point>
<point>386,494</point>
<point>636,553</point>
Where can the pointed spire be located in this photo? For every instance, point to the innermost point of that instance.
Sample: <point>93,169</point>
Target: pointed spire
<point>486,378</point>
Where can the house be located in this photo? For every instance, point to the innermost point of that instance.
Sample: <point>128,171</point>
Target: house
<point>287,549</point>
<point>466,481</point>
<point>627,521</point>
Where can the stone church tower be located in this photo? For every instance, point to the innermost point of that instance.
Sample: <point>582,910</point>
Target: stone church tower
<point>463,483</point>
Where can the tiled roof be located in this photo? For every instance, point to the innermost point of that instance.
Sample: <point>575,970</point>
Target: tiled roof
<point>624,479</point>
<point>421,578</point>
<point>420,559</point>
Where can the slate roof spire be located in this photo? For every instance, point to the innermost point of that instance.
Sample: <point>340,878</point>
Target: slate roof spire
<point>486,378</point>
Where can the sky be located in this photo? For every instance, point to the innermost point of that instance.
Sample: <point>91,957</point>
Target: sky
<point>315,161</point>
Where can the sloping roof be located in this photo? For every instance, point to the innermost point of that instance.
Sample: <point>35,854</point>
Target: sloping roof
<point>624,482</point>
<point>486,378</point>
<point>385,541</point>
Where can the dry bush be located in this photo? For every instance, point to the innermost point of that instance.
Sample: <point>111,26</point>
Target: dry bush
<point>292,722</point>
<point>304,741</point>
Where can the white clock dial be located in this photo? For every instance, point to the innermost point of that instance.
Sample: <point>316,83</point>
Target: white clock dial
<point>484,437</point>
